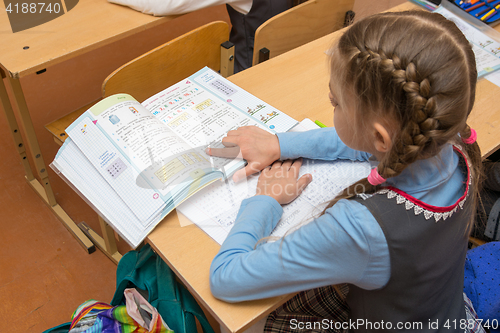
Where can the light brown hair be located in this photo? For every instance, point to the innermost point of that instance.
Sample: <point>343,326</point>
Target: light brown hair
<point>417,68</point>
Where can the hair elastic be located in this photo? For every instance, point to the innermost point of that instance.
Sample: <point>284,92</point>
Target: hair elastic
<point>471,139</point>
<point>375,178</point>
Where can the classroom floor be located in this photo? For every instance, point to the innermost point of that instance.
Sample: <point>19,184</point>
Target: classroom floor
<point>44,273</point>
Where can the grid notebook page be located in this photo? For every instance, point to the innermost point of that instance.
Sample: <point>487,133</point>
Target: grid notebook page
<point>214,209</point>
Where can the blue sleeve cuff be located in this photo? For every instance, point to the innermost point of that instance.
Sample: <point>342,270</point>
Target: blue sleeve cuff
<point>263,210</point>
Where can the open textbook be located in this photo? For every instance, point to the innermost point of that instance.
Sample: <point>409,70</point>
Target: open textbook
<point>214,209</point>
<point>135,162</point>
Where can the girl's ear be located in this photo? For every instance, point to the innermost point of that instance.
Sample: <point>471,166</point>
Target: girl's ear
<point>382,141</point>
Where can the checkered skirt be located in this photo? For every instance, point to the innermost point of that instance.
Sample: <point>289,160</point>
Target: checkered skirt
<point>310,306</point>
<point>316,305</point>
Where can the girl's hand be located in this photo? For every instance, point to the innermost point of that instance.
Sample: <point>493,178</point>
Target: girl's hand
<point>259,147</point>
<point>279,181</point>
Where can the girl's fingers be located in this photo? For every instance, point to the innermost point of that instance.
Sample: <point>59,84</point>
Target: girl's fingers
<point>228,143</point>
<point>250,169</point>
<point>232,149</point>
<point>295,167</point>
<point>303,182</point>
<point>277,165</point>
<point>235,132</point>
<point>266,172</point>
<point>287,164</point>
<point>297,163</point>
<point>230,152</point>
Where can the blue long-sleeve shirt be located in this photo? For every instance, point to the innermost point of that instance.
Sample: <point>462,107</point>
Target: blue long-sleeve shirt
<point>346,244</point>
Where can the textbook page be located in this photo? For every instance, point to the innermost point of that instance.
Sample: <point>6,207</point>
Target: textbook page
<point>204,107</point>
<point>75,168</point>
<point>111,162</point>
<point>214,209</point>
<point>161,160</point>
<point>193,114</point>
<point>79,173</point>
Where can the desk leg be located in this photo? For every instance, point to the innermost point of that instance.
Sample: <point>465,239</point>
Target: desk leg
<point>43,188</point>
<point>16,134</point>
<point>41,169</point>
<point>106,243</point>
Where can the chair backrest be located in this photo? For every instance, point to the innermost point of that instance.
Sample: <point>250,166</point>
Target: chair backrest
<point>169,63</point>
<point>300,25</point>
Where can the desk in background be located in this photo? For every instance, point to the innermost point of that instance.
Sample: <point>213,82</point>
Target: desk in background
<point>90,25</point>
<point>297,84</point>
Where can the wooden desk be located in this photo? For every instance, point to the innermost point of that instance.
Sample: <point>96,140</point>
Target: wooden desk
<point>296,83</point>
<point>91,24</point>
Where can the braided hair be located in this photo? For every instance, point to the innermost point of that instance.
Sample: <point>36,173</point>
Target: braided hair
<point>417,68</point>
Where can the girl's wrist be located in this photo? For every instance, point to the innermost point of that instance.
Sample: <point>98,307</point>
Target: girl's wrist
<point>267,195</point>
<point>277,149</point>
<point>268,198</point>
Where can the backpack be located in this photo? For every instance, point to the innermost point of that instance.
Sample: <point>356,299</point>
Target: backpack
<point>145,271</point>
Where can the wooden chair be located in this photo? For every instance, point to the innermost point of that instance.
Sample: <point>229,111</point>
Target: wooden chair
<point>147,75</point>
<point>299,25</point>
<point>162,67</point>
<point>475,242</point>
<point>171,62</point>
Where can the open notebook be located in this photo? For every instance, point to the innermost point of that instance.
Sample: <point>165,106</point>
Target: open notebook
<point>215,207</point>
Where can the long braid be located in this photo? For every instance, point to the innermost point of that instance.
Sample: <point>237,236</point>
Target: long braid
<point>474,153</point>
<point>409,83</point>
<point>415,136</point>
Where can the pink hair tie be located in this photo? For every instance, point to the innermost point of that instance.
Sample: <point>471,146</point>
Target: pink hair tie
<point>375,178</point>
<point>472,138</point>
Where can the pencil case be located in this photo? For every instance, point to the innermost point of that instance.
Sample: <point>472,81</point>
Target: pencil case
<point>486,11</point>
